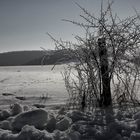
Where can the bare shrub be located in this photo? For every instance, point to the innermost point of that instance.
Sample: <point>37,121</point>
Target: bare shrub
<point>104,72</point>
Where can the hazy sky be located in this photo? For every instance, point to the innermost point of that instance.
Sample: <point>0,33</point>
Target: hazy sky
<point>24,23</point>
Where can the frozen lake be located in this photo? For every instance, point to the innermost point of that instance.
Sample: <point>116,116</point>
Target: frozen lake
<point>32,82</point>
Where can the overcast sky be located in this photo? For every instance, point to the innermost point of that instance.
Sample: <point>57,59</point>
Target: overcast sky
<point>24,23</point>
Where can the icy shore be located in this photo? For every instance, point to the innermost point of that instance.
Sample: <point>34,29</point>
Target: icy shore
<point>26,123</point>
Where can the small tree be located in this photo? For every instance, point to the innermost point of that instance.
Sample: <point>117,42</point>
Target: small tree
<point>104,72</point>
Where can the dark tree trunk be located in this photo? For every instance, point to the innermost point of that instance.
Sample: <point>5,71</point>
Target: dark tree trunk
<point>83,103</point>
<point>105,99</point>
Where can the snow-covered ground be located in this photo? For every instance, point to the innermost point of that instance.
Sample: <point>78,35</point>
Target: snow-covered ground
<point>33,83</point>
<point>23,89</point>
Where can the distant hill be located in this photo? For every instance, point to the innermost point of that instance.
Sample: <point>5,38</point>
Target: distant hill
<point>51,57</point>
<point>33,58</point>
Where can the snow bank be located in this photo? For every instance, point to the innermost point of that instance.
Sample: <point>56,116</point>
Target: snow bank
<point>7,135</point>
<point>37,118</point>
<point>31,133</point>
<point>40,124</point>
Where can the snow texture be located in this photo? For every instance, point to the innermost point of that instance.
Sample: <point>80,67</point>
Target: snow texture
<point>39,124</point>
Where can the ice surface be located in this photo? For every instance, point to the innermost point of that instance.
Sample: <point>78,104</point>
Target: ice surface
<point>33,82</point>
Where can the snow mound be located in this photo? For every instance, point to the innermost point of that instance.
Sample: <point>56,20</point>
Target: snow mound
<point>78,115</point>
<point>66,135</point>
<point>31,133</point>
<point>26,108</point>
<point>74,135</point>
<point>62,111</point>
<point>51,124</point>
<point>7,135</point>
<point>5,125</point>
<point>135,136</point>
<point>16,109</point>
<point>136,116</point>
<point>4,114</point>
<point>138,124</point>
<point>37,118</point>
<point>63,124</point>
<point>39,124</point>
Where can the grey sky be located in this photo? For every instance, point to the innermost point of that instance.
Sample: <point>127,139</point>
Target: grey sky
<point>24,23</point>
